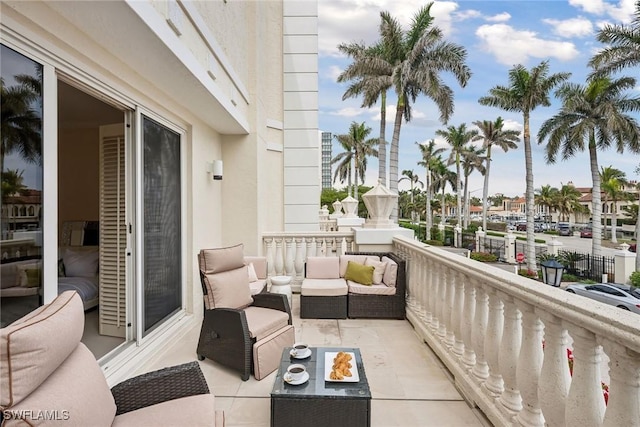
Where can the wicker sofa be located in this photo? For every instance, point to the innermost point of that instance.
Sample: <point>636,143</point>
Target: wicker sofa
<point>45,369</point>
<point>326,294</point>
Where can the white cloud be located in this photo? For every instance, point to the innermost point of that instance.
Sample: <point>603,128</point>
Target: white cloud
<point>501,17</point>
<point>622,12</point>
<point>332,73</point>
<point>574,27</point>
<point>513,125</point>
<point>511,46</point>
<point>467,14</point>
<point>348,112</point>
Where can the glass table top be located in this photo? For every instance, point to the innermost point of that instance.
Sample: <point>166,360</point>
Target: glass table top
<point>317,386</point>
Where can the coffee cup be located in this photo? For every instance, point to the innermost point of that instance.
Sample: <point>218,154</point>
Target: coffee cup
<point>299,349</point>
<point>295,372</point>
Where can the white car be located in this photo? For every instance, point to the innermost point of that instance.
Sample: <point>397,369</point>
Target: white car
<point>622,296</point>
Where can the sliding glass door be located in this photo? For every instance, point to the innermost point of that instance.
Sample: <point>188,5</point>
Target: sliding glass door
<point>162,259</point>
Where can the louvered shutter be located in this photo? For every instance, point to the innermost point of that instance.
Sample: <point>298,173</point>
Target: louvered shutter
<point>113,233</point>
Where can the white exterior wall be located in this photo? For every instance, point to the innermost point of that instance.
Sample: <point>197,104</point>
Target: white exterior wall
<point>226,95</point>
<point>302,181</point>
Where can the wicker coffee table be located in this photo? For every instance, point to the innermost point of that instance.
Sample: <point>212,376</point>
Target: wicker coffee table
<point>318,402</point>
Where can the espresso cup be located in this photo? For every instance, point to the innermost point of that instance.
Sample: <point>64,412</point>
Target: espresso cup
<point>295,372</point>
<point>299,349</point>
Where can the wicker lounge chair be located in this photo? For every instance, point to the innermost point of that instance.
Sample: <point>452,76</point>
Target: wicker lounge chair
<point>241,331</point>
<point>45,369</point>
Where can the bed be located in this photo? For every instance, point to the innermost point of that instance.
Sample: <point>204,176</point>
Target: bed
<point>78,271</point>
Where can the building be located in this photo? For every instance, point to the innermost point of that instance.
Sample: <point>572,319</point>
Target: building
<point>135,102</point>
<point>326,159</point>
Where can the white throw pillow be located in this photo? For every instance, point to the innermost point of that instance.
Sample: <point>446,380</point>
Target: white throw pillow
<point>253,277</point>
<point>378,271</point>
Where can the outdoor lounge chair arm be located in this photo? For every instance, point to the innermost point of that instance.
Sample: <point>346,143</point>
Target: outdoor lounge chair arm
<point>273,301</point>
<point>159,386</point>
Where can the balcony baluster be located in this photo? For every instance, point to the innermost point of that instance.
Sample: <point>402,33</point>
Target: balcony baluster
<point>495,327</point>
<point>529,366</point>
<point>479,333</point>
<point>509,353</point>
<point>457,312</point>
<point>624,401</point>
<point>468,313</point>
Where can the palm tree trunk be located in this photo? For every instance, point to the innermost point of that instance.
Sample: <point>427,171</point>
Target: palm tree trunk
<point>382,145</point>
<point>614,221</point>
<point>428,211</point>
<point>355,178</point>
<point>638,238</point>
<point>466,202</point>
<point>596,200</point>
<point>529,196</point>
<point>458,198</point>
<point>393,157</point>
<point>349,185</point>
<point>604,215</point>
<point>485,190</point>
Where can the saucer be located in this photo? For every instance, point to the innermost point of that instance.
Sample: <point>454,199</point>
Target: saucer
<point>301,356</point>
<point>304,379</point>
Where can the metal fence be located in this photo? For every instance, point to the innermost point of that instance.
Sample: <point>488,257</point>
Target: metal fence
<point>521,247</point>
<point>587,266</point>
<point>493,246</point>
<point>468,241</point>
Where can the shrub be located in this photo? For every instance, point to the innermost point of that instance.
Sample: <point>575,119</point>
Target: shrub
<point>434,242</point>
<point>588,281</point>
<point>528,273</point>
<point>483,257</point>
<point>635,279</point>
<point>569,278</point>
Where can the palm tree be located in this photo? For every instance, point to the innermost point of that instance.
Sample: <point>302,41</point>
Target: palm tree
<point>441,177</point>
<point>457,138</point>
<point>567,200</point>
<point>613,181</point>
<point>592,117</point>
<point>429,153</point>
<point>372,74</point>
<point>527,90</point>
<point>472,160</point>
<point>413,179</point>
<point>418,56</point>
<point>546,198</point>
<point>624,46</point>
<point>492,133</point>
<point>357,149</point>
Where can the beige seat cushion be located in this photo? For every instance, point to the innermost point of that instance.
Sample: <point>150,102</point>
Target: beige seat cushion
<point>33,347</point>
<point>360,259</point>
<point>390,272</point>
<point>324,287</point>
<point>221,259</point>
<point>229,289</point>
<point>357,288</point>
<point>77,390</point>
<point>322,268</point>
<point>194,411</point>
<point>265,321</point>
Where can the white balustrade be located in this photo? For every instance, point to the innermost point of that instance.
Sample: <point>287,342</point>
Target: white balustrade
<point>499,320</point>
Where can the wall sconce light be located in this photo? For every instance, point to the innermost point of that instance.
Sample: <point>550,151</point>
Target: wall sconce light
<point>215,168</point>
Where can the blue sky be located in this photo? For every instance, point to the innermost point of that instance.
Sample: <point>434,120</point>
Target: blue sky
<point>497,35</point>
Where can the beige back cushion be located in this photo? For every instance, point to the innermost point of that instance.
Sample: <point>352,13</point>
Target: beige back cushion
<point>76,393</point>
<point>31,349</point>
<point>229,289</point>
<point>390,272</point>
<point>221,259</point>
<point>322,268</point>
<point>378,272</point>
<point>259,264</point>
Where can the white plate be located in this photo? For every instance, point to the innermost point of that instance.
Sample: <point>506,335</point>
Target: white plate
<point>302,355</point>
<point>304,379</point>
<point>328,365</point>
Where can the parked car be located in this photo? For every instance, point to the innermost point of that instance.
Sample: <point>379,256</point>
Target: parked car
<point>564,230</point>
<point>622,296</point>
<point>586,233</point>
<point>632,247</point>
<point>538,227</point>
<point>521,227</point>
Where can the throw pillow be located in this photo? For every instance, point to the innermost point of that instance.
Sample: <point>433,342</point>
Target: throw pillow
<point>359,273</point>
<point>378,272</point>
<point>81,262</point>
<point>253,276</point>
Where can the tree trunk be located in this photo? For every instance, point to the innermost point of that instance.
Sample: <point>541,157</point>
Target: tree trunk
<point>529,196</point>
<point>458,198</point>
<point>467,204</point>
<point>382,144</point>
<point>428,212</point>
<point>485,189</point>
<point>614,221</point>
<point>355,179</point>
<point>604,215</point>
<point>638,238</point>
<point>393,157</point>
<point>596,203</point>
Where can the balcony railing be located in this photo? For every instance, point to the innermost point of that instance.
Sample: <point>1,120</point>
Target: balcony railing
<point>504,337</point>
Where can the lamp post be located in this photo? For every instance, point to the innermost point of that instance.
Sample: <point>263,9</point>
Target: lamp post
<point>552,272</point>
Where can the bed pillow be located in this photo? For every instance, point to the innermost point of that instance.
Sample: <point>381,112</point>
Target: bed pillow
<point>359,273</point>
<point>81,262</point>
<point>29,275</point>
